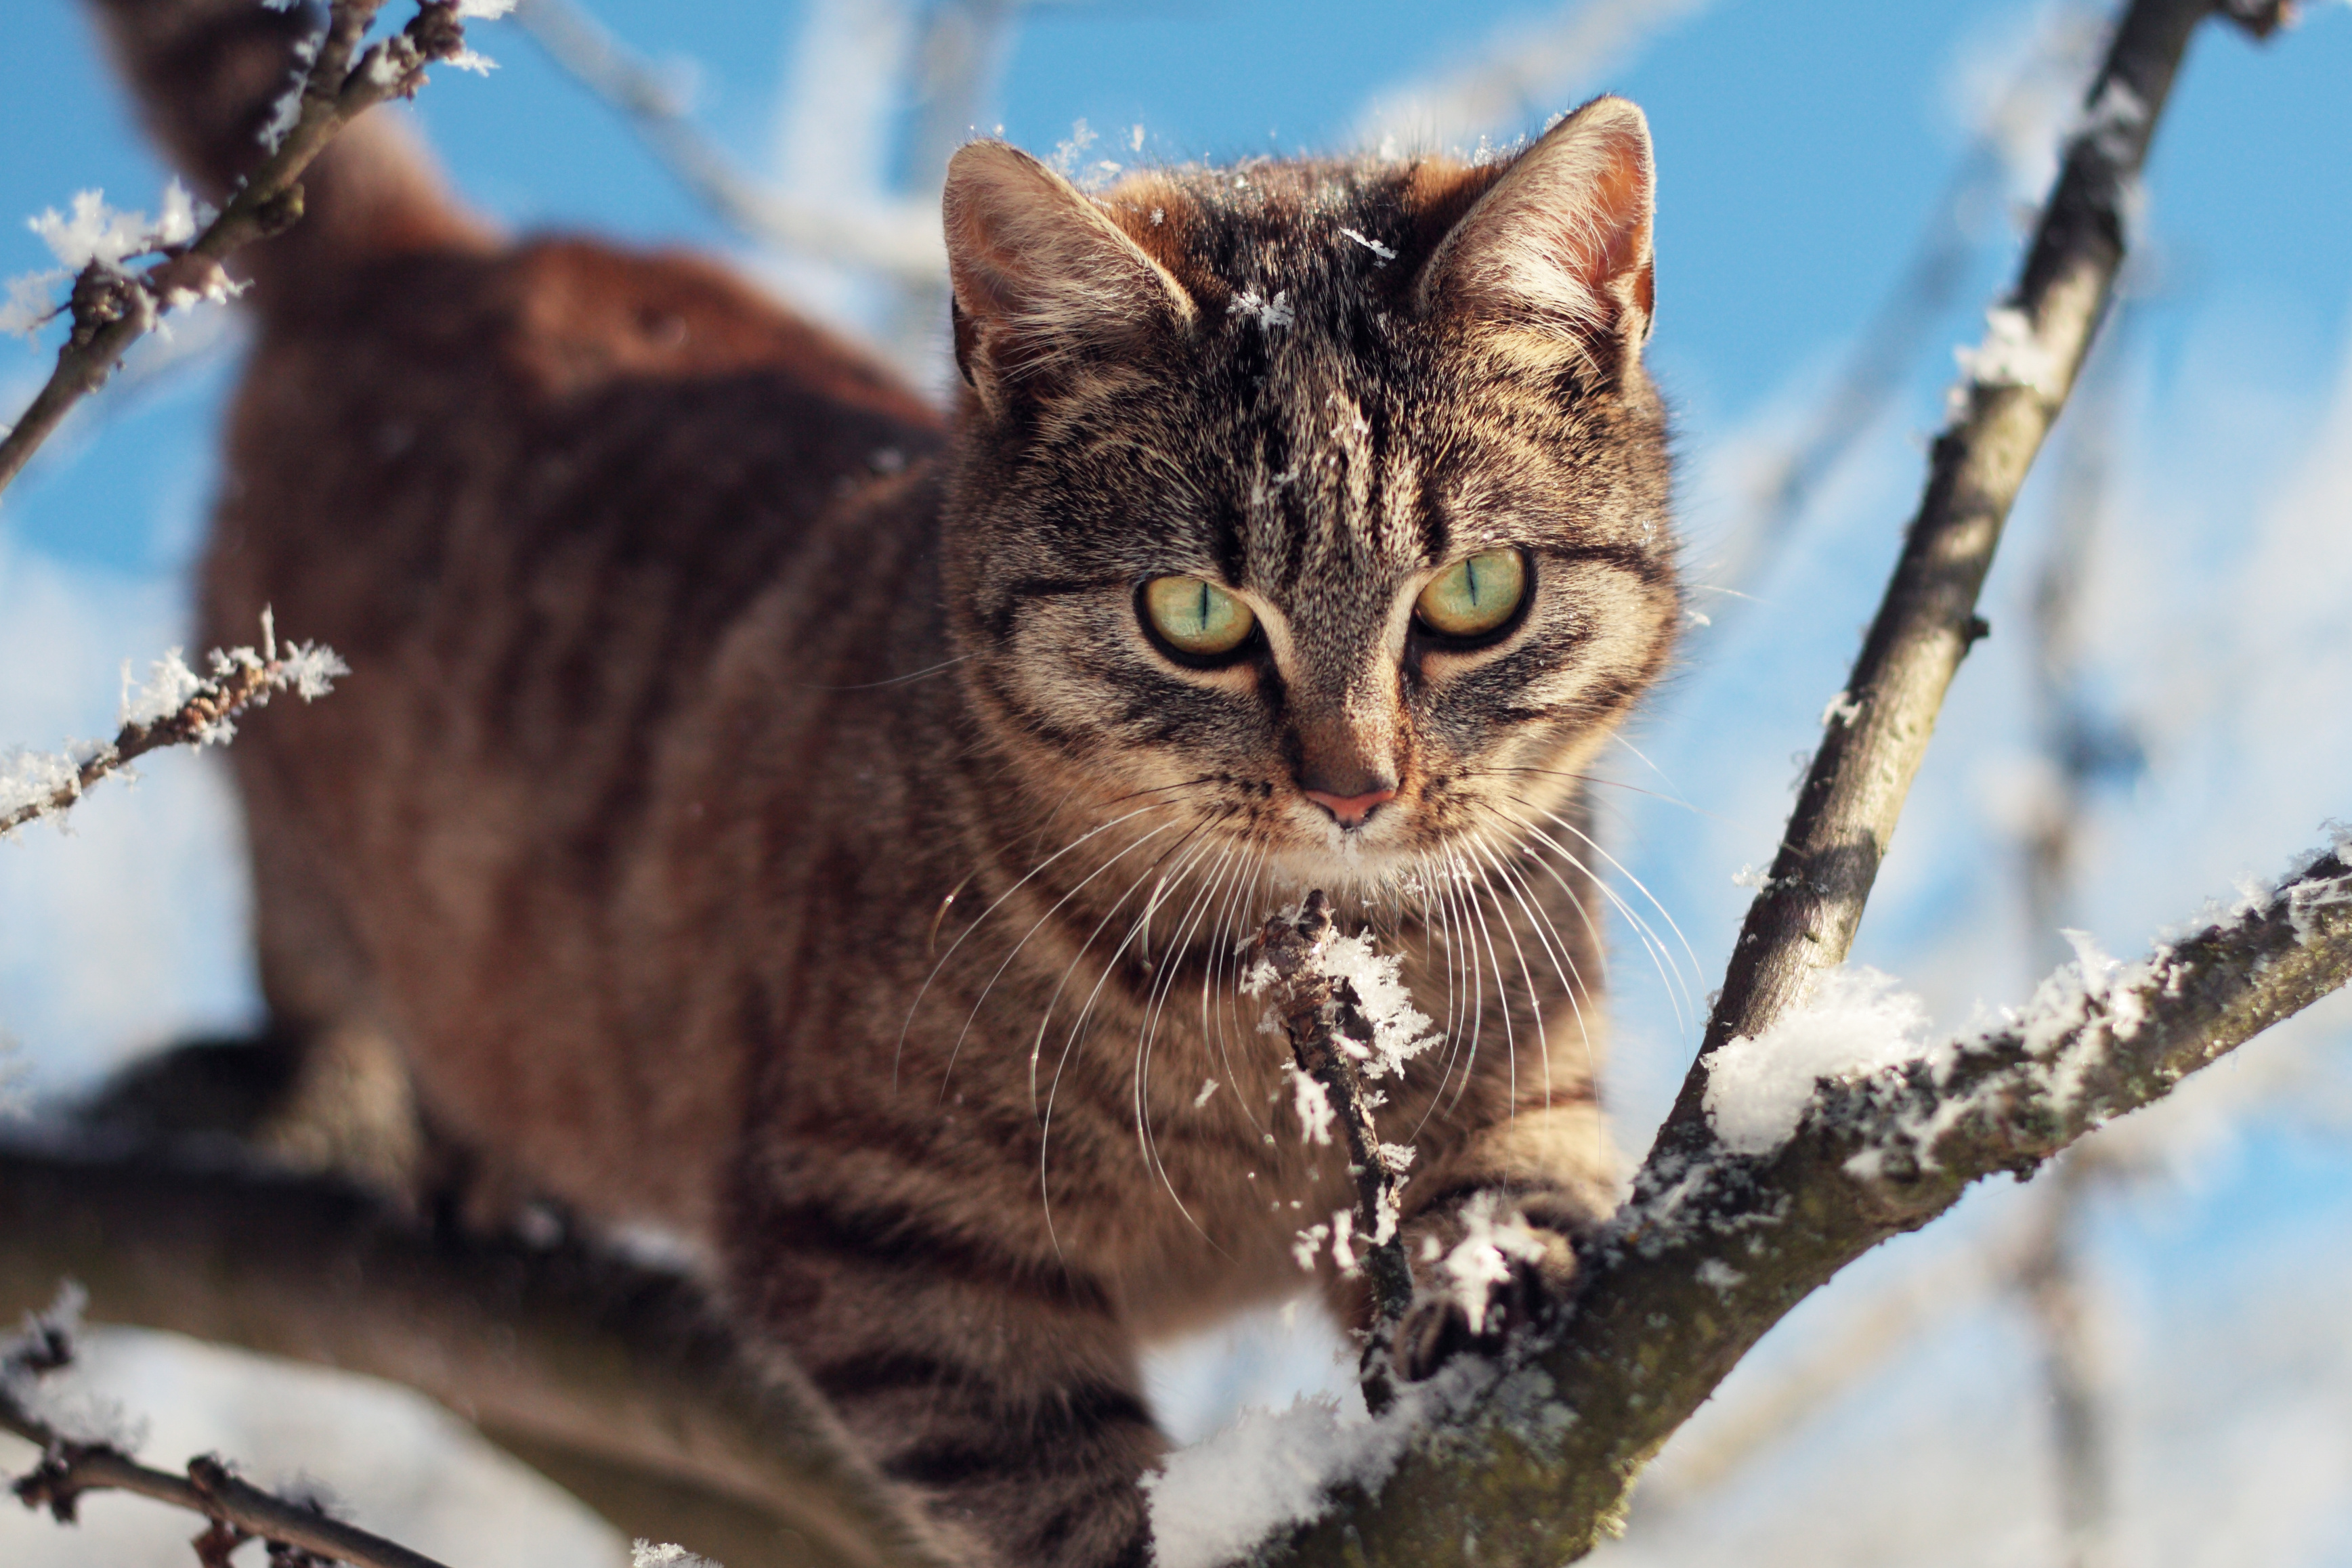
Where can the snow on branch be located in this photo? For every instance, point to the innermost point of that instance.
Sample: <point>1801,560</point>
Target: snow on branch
<point>175,707</point>
<point>77,1459</point>
<point>1803,919</point>
<point>112,308</point>
<point>1715,1250</point>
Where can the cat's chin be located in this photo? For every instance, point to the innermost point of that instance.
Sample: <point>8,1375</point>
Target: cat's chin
<point>1356,869</point>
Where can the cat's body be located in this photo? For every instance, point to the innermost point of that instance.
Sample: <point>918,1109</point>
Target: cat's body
<point>745,808</point>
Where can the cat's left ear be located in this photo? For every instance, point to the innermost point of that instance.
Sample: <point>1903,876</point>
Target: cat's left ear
<point>1042,277</point>
<point>1559,244</point>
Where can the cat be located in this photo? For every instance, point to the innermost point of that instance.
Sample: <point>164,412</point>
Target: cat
<point>766,808</point>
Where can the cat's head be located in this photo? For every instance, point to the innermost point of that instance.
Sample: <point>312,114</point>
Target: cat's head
<point>1318,508</point>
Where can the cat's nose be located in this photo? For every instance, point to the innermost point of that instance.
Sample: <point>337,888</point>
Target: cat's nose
<point>1352,811</point>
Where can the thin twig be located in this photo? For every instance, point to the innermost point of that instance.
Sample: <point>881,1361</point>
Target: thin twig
<point>111,309</point>
<point>240,679</point>
<point>900,238</point>
<point>1322,1015</point>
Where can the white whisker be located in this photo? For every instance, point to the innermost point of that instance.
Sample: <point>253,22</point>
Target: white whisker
<point>981,919</point>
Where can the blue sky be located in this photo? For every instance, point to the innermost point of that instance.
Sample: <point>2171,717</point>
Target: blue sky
<point>1802,147</point>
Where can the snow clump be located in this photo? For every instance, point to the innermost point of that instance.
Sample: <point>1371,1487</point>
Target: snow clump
<point>646,1554</point>
<point>1850,1024</point>
<point>34,1364</point>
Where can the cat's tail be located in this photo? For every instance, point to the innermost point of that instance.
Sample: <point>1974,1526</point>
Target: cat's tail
<point>208,76</point>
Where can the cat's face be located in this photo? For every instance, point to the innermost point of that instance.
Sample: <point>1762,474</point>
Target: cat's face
<point>1338,536</point>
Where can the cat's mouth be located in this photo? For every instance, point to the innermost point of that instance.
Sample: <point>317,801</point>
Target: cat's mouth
<point>1370,848</point>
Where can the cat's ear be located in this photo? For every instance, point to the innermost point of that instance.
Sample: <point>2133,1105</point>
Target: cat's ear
<point>1559,244</point>
<point>1042,277</point>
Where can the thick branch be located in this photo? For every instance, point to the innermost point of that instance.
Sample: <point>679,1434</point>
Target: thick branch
<point>568,1350</point>
<point>113,309</point>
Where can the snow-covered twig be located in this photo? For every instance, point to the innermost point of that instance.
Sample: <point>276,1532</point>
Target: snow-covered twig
<point>72,1464</point>
<point>1318,994</point>
<point>112,308</point>
<point>177,708</point>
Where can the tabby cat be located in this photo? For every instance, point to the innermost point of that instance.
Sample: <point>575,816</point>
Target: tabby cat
<point>770,810</point>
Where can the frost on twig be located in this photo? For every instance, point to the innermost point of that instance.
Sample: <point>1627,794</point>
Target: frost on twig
<point>79,1457</point>
<point>1348,1019</point>
<point>175,707</point>
<point>112,308</point>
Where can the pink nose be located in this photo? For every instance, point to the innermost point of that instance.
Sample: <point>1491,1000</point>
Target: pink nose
<point>1350,810</point>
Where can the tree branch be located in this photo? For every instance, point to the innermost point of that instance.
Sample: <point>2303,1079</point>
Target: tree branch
<point>113,309</point>
<point>624,1368</point>
<point>1694,1272</point>
<point>69,1468</point>
<point>1325,1020</point>
<point>1804,919</point>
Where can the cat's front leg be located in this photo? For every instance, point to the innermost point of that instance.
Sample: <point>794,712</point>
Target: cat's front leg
<point>1006,1398</point>
<point>1493,1242</point>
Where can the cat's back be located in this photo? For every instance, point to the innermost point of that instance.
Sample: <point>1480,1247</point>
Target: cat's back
<point>527,492</point>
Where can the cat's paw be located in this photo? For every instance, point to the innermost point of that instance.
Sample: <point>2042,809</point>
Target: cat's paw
<point>1483,1272</point>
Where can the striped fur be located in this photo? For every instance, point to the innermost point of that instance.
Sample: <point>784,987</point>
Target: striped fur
<point>756,810</point>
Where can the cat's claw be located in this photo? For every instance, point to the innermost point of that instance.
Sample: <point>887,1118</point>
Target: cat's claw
<point>1438,1327</point>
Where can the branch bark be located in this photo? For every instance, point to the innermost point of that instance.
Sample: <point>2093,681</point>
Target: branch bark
<point>239,1510</point>
<point>1877,731</point>
<point>1328,1033</point>
<point>113,309</point>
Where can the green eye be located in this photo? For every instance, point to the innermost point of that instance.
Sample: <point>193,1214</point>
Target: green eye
<point>1472,597</point>
<point>1196,616</point>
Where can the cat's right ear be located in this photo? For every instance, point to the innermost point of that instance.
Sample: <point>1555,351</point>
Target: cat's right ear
<point>1044,280</point>
<point>1558,246</point>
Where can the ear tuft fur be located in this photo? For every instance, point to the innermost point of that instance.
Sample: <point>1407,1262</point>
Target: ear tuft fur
<point>1042,275</point>
<point>1560,244</point>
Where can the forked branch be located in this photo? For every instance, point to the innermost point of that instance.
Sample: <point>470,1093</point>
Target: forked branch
<point>1716,1246</point>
